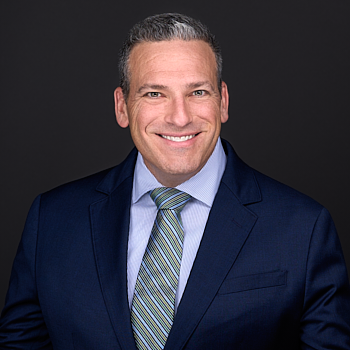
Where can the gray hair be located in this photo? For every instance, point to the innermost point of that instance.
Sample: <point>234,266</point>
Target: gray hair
<point>165,27</point>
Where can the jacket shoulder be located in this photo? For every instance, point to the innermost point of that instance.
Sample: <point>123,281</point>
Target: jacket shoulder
<point>253,188</point>
<point>103,182</point>
<point>80,189</point>
<point>280,196</point>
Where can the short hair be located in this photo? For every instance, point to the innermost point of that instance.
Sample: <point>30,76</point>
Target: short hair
<point>165,27</point>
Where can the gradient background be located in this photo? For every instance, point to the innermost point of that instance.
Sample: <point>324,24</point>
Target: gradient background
<point>287,65</point>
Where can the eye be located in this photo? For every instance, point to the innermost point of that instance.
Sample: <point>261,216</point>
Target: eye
<point>199,93</point>
<point>153,94</point>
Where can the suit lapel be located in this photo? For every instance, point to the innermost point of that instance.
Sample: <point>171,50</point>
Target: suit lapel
<point>227,229</point>
<point>218,251</point>
<point>110,227</point>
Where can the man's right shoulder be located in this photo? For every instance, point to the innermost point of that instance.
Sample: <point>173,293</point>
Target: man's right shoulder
<point>94,186</point>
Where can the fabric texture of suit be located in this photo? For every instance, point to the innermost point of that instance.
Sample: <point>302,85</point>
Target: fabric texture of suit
<point>269,272</point>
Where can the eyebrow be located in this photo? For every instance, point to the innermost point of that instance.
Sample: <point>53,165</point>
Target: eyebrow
<point>152,87</point>
<point>156,87</point>
<point>201,84</point>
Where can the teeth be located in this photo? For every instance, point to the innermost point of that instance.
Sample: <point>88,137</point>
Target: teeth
<point>178,139</point>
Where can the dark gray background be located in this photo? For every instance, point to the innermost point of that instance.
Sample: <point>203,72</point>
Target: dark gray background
<point>286,64</point>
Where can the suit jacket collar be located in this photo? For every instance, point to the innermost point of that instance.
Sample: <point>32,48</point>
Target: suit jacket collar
<point>227,229</point>
<point>110,219</point>
<point>229,225</point>
<point>118,174</point>
<point>238,176</point>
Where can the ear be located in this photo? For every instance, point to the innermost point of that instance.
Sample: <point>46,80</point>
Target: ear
<point>224,102</point>
<point>121,111</point>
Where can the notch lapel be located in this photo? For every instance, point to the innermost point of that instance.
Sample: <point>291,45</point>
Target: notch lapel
<point>228,227</point>
<point>110,229</point>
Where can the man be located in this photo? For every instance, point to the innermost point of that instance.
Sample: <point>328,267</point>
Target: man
<point>254,264</point>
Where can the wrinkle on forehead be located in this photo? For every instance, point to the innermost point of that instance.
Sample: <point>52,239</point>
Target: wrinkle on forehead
<point>155,63</point>
<point>196,85</point>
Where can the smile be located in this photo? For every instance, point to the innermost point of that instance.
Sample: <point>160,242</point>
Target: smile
<point>178,138</point>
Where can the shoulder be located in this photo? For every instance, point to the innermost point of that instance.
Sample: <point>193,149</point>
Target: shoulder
<point>93,187</point>
<point>264,194</point>
<point>288,210</point>
<point>273,191</point>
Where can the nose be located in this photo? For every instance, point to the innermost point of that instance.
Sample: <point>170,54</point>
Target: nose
<point>179,113</point>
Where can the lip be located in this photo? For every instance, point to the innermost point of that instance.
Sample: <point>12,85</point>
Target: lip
<point>182,138</point>
<point>179,139</point>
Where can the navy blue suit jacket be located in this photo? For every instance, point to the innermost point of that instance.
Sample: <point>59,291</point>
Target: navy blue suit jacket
<point>269,273</point>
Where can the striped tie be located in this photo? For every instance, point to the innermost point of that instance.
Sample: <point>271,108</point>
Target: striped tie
<point>153,304</point>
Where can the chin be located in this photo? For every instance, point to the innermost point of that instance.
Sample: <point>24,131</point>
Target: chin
<point>182,169</point>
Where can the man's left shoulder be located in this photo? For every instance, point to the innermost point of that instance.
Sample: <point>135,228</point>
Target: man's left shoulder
<point>280,195</point>
<point>262,192</point>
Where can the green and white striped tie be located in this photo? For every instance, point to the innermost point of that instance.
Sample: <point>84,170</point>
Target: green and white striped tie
<point>153,304</point>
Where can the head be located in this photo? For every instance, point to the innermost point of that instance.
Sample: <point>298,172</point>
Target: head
<point>165,27</point>
<point>171,95</point>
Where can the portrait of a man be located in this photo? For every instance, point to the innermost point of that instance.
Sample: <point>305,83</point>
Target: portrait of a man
<point>182,245</point>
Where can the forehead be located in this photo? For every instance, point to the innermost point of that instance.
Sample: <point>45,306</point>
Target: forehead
<point>172,60</point>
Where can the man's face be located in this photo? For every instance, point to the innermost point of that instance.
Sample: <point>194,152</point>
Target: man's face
<point>174,108</point>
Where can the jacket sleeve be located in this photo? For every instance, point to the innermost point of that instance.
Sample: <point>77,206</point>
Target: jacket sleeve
<point>326,316</point>
<point>22,325</point>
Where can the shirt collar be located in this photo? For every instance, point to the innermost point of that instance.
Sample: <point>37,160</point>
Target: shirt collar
<point>202,186</point>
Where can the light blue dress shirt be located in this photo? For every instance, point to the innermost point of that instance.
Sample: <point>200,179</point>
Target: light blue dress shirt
<point>202,187</point>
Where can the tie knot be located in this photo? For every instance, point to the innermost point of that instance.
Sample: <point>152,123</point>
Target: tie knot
<point>169,198</point>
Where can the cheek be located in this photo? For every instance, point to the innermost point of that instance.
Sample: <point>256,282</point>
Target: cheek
<point>137,119</point>
<point>143,123</point>
<point>150,118</point>
<point>210,112</point>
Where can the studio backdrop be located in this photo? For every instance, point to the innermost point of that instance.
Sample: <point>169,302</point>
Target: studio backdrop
<point>286,64</point>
